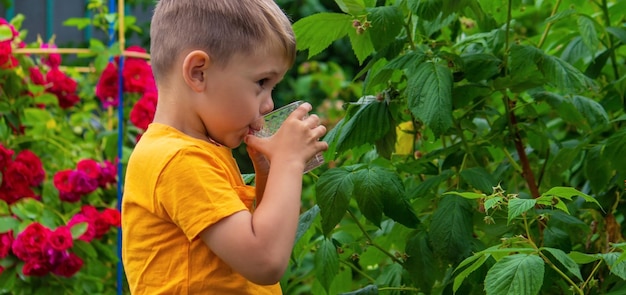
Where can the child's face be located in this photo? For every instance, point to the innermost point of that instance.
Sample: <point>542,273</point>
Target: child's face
<point>239,94</point>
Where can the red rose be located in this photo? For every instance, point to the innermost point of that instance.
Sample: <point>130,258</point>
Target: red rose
<point>53,60</point>
<point>36,76</point>
<point>137,75</point>
<point>90,233</point>
<point>11,193</point>
<point>111,217</point>
<point>16,174</point>
<point>68,100</point>
<point>61,181</point>
<point>60,239</point>
<point>30,160</point>
<point>6,241</point>
<point>107,87</point>
<point>142,113</point>
<point>6,156</point>
<point>63,87</point>
<point>90,167</point>
<point>36,267</point>
<point>68,267</point>
<point>29,243</point>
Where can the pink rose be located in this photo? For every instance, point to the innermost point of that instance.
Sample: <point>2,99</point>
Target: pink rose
<point>108,174</point>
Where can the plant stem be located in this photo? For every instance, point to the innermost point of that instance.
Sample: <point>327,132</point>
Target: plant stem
<point>516,166</point>
<point>358,270</point>
<point>505,59</point>
<point>519,146</point>
<point>595,269</point>
<point>544,36</point>
<point>572,283</point>
<point>399,289</point>
<point>607,23</point>
<point>371,241</point>
<point>409,35</point>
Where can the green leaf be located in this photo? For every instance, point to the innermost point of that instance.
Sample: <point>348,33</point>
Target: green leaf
<point>566,261</point>
<point>78,22</point>
<point>479,178</point>
<point>4,207</point>
<point>409,60</point>
<point>617,268</point>
<point>367,290</point>
<point>597,169</point>
<point>556,71</point>
<point>593,112</point>
<point>476,261</point>
<point>27,209</point>
<point>583,258</point>
<point>619,33</point>
<point>615,149</point>
<point>84,249</point>
<point>353,7</point>
<point>305,221</point>
<point>362,45</point>
<point>492,202</point>
<point>421,263</point>
<point>564,108</point>
<point>569,193</point>
<point>481,66</point>
<point>561,15</point>
<point>368,192</point>
<point>429,94</point>
<point>78,229</point>
<point>8,223</point>
<point>451,228</point>
<point>5,33</point>
<point>587,29</point>
<point>427,9</point>
<point>515,274</point>
<point>318,31</point>
<point>326,263</point>
<point>333,192</point>
<point>370,123</point>
<point>386,24</point>
<point>392,194</point>
<point>518,206</point>
<point>7,281</point>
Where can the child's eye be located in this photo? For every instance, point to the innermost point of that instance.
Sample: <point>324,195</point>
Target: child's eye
<point>262,82</point>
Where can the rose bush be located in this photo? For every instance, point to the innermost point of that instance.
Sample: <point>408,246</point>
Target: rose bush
<point>59,163</point>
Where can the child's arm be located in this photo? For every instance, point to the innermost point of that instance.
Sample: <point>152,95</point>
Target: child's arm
<point>258,245</point>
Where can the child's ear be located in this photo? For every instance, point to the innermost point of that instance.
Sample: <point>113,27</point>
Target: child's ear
<point>194,69</point>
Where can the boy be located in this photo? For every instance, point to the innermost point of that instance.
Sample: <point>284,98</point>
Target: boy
<point>190,224</point>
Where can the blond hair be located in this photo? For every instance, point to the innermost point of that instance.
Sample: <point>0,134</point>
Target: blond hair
<point>220,27</point>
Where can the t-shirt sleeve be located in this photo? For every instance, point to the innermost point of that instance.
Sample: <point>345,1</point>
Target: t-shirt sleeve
<point>194,191</point>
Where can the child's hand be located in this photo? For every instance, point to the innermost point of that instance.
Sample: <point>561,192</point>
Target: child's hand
<point>296,141</point>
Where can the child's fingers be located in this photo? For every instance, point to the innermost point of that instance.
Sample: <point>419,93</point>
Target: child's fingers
<point>301,112</point>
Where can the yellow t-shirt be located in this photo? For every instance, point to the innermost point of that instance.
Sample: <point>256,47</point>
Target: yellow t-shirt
<point>176,186</point>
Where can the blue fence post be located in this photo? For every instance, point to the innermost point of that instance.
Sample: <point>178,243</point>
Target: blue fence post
<point>10,12</point>
<point>120,148</point>
<point>49,19</point>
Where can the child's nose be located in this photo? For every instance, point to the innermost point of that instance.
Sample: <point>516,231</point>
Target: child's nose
<point>267,105</point>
